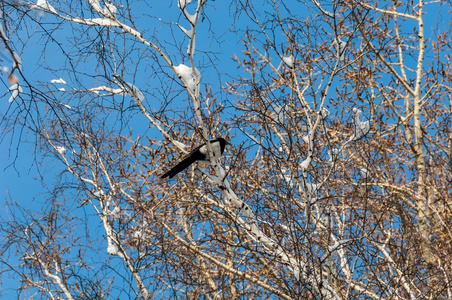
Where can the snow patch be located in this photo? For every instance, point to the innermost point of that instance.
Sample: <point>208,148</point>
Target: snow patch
<point>305,164</point>
<point>183,3</point>
<point>281,112</point>
<point>95,4</point>
<point>112,248</point>
<point>180,145</point>
<point>17,61</point>
<point>61,149</point>
<point>135,92</point>
<point>340,48</point>
<point>110,91</point>
<point>17,89</point>
<point>364,173</point>
<point>190,79</point>
<point>190,17</point>
<point>59,80</point>
<point>101,21</point>
<point>289,61</point>
<point>188,33</point>
<point>361,128</point>
<point>324,113</point>
<point>45,6</point>
<point>110,10</point>
<point>115,213</point>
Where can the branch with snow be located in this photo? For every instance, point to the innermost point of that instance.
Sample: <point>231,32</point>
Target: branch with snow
<point>16,89</point>
<point>190,77</point>
<point>59,80</point>
<point>114,213</point>
<point>281,112</point>
<point>108,91</point>
<point>325,12</point>
<point>45,6</point>
<point>192,19</point>
<point>340,48</point>
<point>140,231</point>
<point>17,61</point>
<point>324,113</point>
<point>289,61</point>
<point>135,92</point>
<point>112,248</point>
<point>360,128</point>
<point>182,4</point>
<point>305,164</point>
<point>108,11</point>
<point>364,173</point>
<point>61,149</point>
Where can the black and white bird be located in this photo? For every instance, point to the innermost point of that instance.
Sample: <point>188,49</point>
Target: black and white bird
<point>198,154</point>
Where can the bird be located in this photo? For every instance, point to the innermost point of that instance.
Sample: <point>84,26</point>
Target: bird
<point>201,154</point>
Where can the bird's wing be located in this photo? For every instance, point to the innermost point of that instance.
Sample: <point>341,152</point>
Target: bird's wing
<point>217,149</point>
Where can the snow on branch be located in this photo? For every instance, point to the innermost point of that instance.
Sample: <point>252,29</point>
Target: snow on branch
<point>289,60</point>
<point>109,10</point>
<point>287,177</point>
<point>140,231</point>
<point>361,128</point>
<point>324,113</point>
<point>192,19</point>
<point>97,21</point>
<point>17,62</point>
<point>331,15</point>
<point>337,245</point>
<point>182,4</point>
<point>135,92</point>
<point>109,91</point>
<point>191,35</point>
<point>364,173</point>
<point>115,212</point>
<point>16,89</point>
<point>340,48</point>
<point>280,112</point>
<point>45,6</point>
<point>95,5</point>
<point>112,248</point>
<point>251,137</point>
<point>305,164</point>
<point>188,33</point>
<point>61,149</point>
<point>59,80</point>
<point>191,79</point>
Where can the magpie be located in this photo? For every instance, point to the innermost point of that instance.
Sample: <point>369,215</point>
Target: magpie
<point>201,154</point>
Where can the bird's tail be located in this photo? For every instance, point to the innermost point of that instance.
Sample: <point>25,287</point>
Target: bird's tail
<point>185,163</point>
